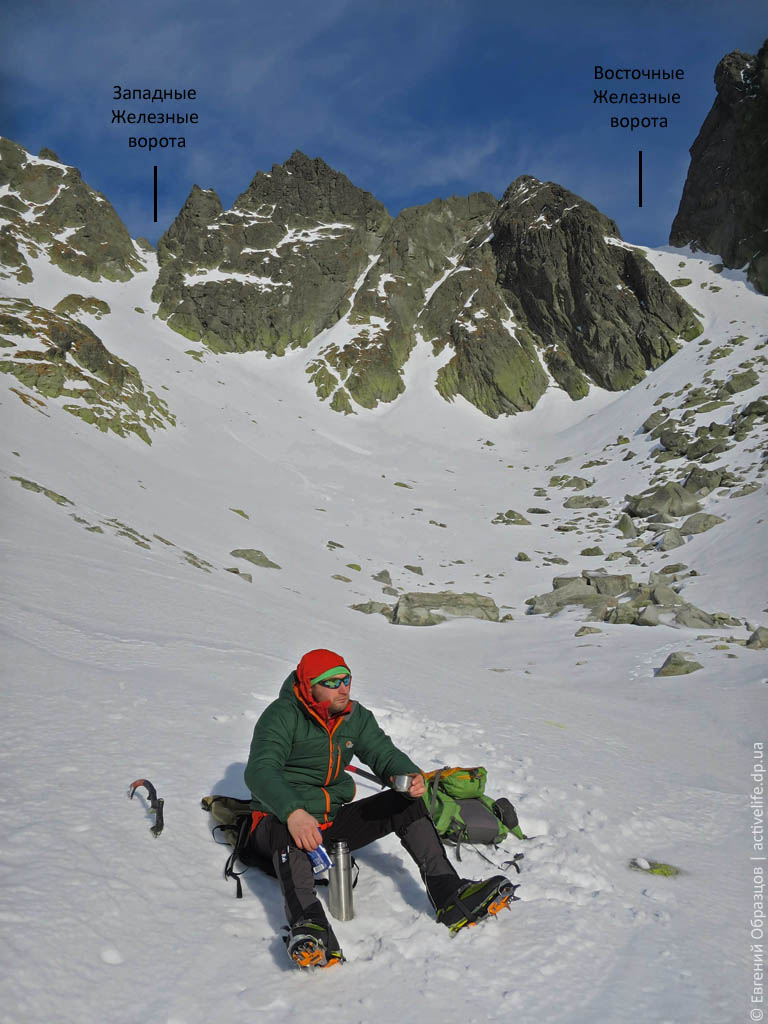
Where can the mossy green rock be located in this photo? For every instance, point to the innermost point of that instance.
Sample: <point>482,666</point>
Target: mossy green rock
<point>570,591</point>
<point>577,483</point>
<point>585,501</point>
<point>654,867</point>
<point>73,304</point>
<point>65,220</point>
<point>66,360</point>
<point>670,499</point>
<point>255,557</point>
<point>510,518</point>
<point>758,641</point>
<point>374,608</point>
<point>739,382</point>
<point>277,268</point>
<point>671,539</point>
<point>626,527</point>
<point>422,609</point>
<point>551,253</point>
<point>30,485</point>
<point>677,664</point>
<point>699,523</point>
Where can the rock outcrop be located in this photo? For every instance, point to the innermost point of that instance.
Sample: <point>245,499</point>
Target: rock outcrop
<point>758,640</point>
<point>509,296</point>
<point>678,664</point>
<point>55,356</point>
<point>595,304</point>
<point>398,302</point>
<point>277,268</point>
<point>48,210</point>
<point>502,292</point>
<point>616,598</point>
<point>423,609</point>
<point>724,207</point>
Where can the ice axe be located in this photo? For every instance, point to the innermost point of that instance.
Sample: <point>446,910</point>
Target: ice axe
<point>155,803</point>
<point>366,775</point>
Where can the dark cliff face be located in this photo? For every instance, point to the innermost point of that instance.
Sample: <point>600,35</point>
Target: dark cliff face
<point>724,207</point>
<point>508,295</point>
<point>595,305</point>
<point>48,210</point>
<point>421,246</point>
<point>502,289</point>
<point>277,268</point>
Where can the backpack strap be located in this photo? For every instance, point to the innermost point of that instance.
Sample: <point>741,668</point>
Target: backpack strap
<point>244,822</point>
<point>243,833</point>
<point>435,780</point>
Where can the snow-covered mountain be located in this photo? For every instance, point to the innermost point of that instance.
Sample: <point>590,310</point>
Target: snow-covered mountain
<point>509,294</point>
<point>182,522</point>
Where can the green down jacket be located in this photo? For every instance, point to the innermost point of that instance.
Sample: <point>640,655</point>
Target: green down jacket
<point>298,761</point>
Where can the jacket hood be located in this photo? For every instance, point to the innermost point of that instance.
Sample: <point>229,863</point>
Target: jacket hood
<point>313,664</point>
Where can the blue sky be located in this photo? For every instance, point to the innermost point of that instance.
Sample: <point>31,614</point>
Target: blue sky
<point>411,100</point>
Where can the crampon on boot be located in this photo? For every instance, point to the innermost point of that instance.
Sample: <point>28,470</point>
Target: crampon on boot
<point>308,946</point>
<point>474,901</point>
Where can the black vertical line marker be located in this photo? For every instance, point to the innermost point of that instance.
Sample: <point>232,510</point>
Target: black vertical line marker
<point>639,177</point>
<point>156,194</point>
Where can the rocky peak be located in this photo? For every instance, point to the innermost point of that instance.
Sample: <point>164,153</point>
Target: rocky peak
<point>533,203</point>
<point>277,268</point>
<point>724,207</point>
<point>48,209</point>
<point>541,277</point>
<point>187,236</point>
<point>595,305</point>
<point>307,188</point>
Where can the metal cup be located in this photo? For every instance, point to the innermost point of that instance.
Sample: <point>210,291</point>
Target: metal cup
<point>402,783</point>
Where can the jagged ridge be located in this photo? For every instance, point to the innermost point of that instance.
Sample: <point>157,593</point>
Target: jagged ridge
<point>541,278</point>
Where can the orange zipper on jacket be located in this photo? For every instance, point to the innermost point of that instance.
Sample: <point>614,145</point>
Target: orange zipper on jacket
<point>330,729</point>
<point>327,803</point>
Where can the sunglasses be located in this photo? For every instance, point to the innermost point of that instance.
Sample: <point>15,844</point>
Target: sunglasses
<point>334,684</point>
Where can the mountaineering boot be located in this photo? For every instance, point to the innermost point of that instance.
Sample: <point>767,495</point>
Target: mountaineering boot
<point>474,901</point>
<point>309,945</point>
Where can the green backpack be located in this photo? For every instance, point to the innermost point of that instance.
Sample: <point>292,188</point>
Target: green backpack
<point>462,812</point>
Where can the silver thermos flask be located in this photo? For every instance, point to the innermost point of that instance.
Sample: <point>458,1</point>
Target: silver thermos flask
<point>340,882</point>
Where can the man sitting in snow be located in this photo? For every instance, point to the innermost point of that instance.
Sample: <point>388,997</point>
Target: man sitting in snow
<point>302,797</point>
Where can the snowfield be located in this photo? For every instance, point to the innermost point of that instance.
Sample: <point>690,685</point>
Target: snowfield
<point>128,651</point>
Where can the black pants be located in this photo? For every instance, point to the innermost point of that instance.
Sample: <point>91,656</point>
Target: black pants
<point>360,823</point>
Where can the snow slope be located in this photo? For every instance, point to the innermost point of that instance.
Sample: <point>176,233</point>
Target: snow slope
<point>128,651</point>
